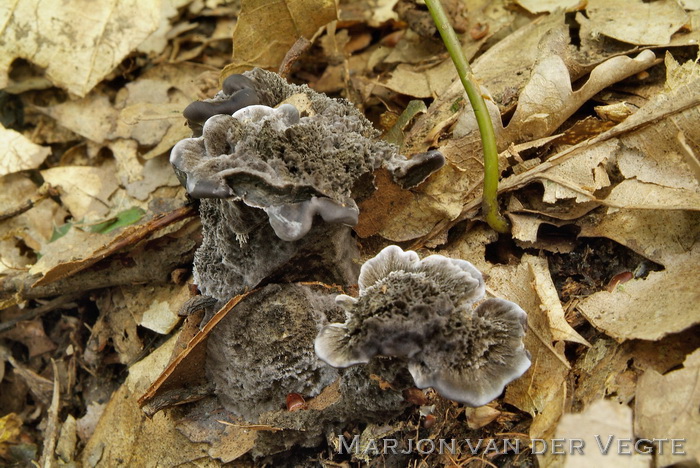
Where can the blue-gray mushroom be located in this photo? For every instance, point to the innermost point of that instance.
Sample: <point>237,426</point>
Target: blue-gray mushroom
<point>421,311</point>
<point>280,186</point>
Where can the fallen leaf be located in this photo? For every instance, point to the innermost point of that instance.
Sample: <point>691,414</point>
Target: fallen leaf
<point>604,424</point>
<point>67,440</point>
<point>24,235</point>
<point>74,244</point>
<point>640,195</point>
<point>545,103</point>
<point>87,423</point>
<point>31,334</point>
<point>664,302</point>
<point>549,6</point>
<point>78,43</point>
<point>580,177</point>
<point>156,42</point>
<point>226,441</point>
<point>79,253</point>
<point>549,301</point>
<point>481,416</point>
<point>97,125</point>
<point>672,111</point>
<point>20,153</point>
<point>144,111</point>
<point>548,99</point>
<point>609,369</point>
<point>655,234</point>
<point>161,305</point>
<point>419,82</point>
<point>412,48</point>
<point>267,29</point>
<point>140,441</point>
<point>84,190</point>
<point>503,70</point>
<point>637,22</point>
<point>440,197</point>
<point>116,323</point>
<point>666,407</point>
<point>10,430</point>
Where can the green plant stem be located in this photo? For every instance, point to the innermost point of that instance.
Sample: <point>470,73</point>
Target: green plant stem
<point>483,119</point>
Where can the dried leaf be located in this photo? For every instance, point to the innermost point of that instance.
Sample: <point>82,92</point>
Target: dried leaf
<point>32,229</point>
<point>610,369</point>
<point>672,112</point>
<point>267,29</point>
<point>604,424</point>
<point>72,245</point>
<point>77,49</point>
<point>637,22</point>
<point>156,307</point>
<point>10,430</point>
<point>649,309</point>
<point>667,406</point>
<point>439,198</point>
<point>20,153</point>
<point>77,257</point>
<point>31,333</point>
<point>118,325</point>
<point>548,99</point>
<point>549,301</point>
<point>549,6</point>
<point>655,234</point>
<point>84,190</point>
<point>481,416</point>
<point>155,437</point>
<point>156,42</point>
<point>67,440</point>
<point>88,422</point>
<point>635,194</point>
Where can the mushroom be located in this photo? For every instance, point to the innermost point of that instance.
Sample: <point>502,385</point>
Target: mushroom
<point>266,175</point>
<point>264,352</point>
<point>238,93</point>
<point>421,311</point>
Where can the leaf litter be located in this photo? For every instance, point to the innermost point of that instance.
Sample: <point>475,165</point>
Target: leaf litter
<point>596,114</point>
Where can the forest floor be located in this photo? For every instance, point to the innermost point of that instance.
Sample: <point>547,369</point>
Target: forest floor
<point>596,108</point>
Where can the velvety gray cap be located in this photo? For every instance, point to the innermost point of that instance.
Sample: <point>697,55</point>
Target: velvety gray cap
<point>420,310</point>
<point>293,166</point>
<point>403,301</point>
<point>476,355</point>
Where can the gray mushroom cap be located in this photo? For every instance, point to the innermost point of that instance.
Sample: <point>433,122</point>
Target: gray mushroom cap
<point>403,300</point>
<point>290,204</point>
<point>476,355</point>
<point>420,310</point>
<point>292,166</point>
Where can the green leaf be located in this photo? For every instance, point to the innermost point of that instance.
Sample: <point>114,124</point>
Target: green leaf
<point>395,133</point>
<point>123,218</point>
<point>60,231</point>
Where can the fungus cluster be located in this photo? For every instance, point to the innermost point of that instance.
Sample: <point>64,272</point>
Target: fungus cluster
<point>421,311</point>
<point>278,185</point>
<point>266,171</point>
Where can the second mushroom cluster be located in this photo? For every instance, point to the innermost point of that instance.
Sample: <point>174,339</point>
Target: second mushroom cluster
<point>421,311</point>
